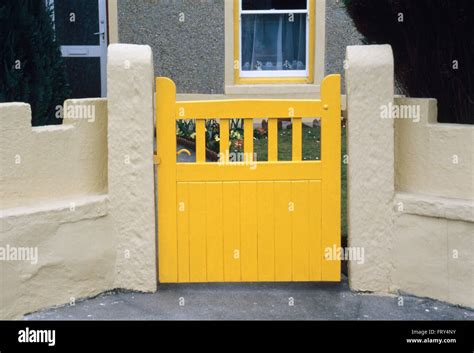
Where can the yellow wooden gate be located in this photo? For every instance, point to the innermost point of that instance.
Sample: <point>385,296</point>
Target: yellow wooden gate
<point>278,221</point>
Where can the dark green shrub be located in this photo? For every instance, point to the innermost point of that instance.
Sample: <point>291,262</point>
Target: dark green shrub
<point>433,45</point>
<point>31,67</point>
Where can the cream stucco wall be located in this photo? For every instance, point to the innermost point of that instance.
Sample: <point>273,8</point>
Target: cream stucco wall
<point>75,249</point>
<point>131,169</point>
<point>80,194</point>
<point>424,145</point>
<point>434,257</point>
<point>434,206</point>
<point>53,185</point>
<point>35,163</point>
<point>410,187</point>
<point>369,85</point>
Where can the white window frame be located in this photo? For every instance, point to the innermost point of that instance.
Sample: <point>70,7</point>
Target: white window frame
<point>274,73</point>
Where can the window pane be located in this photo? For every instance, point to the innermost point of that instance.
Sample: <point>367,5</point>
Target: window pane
<point>84,77</point>
<point>76,22</point>
<point>273,42</point>
<point>274,4</point>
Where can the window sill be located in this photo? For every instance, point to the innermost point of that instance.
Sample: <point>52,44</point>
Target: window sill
<point>273,89</point>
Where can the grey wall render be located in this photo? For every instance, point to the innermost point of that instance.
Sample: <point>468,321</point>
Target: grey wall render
<point>340,32</point>
<point>190,52</point>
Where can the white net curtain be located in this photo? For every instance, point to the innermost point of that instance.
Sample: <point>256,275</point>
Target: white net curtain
<point>273,41</point>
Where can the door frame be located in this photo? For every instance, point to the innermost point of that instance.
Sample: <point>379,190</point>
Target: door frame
<point>91,51</point>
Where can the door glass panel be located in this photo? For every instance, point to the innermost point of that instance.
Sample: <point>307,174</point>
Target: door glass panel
<point>76,21</point>
<point>84,76</point>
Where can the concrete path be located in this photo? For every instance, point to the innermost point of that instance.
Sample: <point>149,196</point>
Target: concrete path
<point>311,301</point>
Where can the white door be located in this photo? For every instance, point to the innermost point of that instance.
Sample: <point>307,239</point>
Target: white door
<point>81,31</point>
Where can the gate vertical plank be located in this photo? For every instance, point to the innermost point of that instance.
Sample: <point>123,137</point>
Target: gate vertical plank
<point>248,221</point>
<point>248,140</point>
<point>297,139</point>
<point>266,234</point>
<point>300,225</point>
<point>214,231</point>
<point>197,232</point>
<point>331,158</point>
<point>166,151</point>
<point>183,232</point>
<point>231,217</point>
<point>283,231</point>
<point>224,140</point>
<point>315,255</point>
<point>200,141</point>
<point>272,140</point>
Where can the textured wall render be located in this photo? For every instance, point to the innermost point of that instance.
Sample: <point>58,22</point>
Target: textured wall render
<point>433,158</point>
<point>49,162</point>
<point>131,169</point>
<point>418,237</point>
<point>89,237</point>
<point>369,86</point>
<point>52,200</point>
<point>187,38</point>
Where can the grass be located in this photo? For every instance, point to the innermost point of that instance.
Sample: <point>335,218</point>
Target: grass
<point>311,151</point>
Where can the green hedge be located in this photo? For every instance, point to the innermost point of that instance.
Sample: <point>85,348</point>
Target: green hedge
<point>31,67</point>
<point>433,44</point>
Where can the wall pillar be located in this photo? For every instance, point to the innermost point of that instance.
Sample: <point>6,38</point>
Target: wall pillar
<point>130,80</point>
<point>370,88</point>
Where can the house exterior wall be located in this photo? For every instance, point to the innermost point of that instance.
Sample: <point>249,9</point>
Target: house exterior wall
<point>340,33</point>
<point>207,33</point>
<point>187,38</point>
